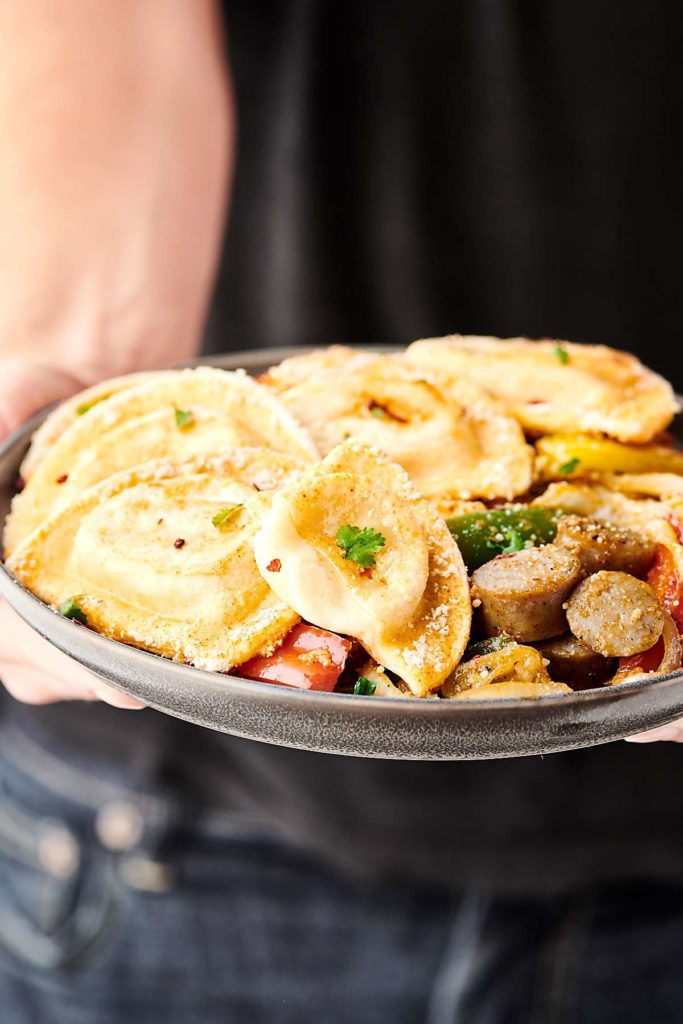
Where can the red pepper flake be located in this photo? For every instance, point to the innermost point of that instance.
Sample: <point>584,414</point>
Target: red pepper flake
<point>274,565</point>
<point>536,401</point>
<point>179,543</point>
<point>366,572</point>
<point>159,522</point>
<point>256,487</point>
<point>62,479</point>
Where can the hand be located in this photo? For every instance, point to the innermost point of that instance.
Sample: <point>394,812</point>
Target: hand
<point>116,129</point>
<point>672,733</point>
<point>31,669</point>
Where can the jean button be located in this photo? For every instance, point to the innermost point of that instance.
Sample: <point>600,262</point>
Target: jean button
<point>119,825</point>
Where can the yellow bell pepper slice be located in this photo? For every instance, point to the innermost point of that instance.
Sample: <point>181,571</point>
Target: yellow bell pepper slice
<point>560,456</point>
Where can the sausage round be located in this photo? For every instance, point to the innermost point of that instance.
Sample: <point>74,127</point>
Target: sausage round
<point>605,546</point>
<point>570,661</point>
<point>523,594</point>
<point>615,614</point>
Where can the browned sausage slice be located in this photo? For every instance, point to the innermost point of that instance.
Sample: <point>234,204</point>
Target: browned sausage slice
<point>523,594</point>
<point>605,546</point>
<point>615,614</point>
<point>570,661</point>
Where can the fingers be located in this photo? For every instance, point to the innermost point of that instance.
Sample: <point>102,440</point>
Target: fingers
<point>27,387</point>
<point>35,672</point>
<point>672,733</point>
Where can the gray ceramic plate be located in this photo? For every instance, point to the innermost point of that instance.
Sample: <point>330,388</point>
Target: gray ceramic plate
<point>336,723</point>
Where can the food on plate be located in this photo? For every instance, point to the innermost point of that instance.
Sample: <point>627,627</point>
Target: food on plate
<point>605,546</point>
<point>483,534</point>
<point>511,671</point>
<point>68,412</point>
<point>556,386</point>
<point>664,657</point>
<point>571,661</point>
<point>321,362</point>
<point>359,552</point>
<point>148,557</point>
<point>173,414</point>
<point>579,455</point>
<point>615,614</point>
<point>524,594</point>
<point>470,519</point>
<point>454,440</point>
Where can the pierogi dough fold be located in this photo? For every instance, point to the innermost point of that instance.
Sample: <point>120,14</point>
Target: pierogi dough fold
<point>453,439</point>
<point>554,386</point>
<point>69,411</point>
<point>411,609</point>
<point>172,414</point>
<point>321,362</point>
<point>147,565</point>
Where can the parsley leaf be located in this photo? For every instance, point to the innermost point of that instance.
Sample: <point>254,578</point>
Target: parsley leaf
<point>560,352</point>
<point>184,418</point>
<point>365,687</point>
<point>71,609</point>
<point>515,542</point>
<point>359,545</point>
<point>568,467</point>
<point>87,406</point>
<point>484,647</point>
<point>225,514</point>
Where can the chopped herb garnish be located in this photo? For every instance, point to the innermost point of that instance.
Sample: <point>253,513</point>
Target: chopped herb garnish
<point>71,609</point>
<point>184,418</point>
<point>365,687</point>
<point>379,412</point>
<point>560,352</point>
<point>359,545</point>
<point>87,406</point>
<point>515,542</point>
<point>568,467</point>
<point>483,647</point>
<point>225,514</point>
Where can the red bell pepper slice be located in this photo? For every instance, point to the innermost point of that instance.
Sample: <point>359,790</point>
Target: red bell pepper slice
<point>308,658</point>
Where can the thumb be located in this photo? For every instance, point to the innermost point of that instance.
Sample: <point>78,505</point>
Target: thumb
<point>26,387</point>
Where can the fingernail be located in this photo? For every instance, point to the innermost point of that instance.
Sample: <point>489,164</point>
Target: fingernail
<point>118,700</point>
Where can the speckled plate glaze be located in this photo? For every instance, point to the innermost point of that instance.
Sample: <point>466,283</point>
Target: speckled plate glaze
<point>407,729</point>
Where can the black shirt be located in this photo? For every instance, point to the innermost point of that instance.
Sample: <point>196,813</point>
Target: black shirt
<point>410,169</point>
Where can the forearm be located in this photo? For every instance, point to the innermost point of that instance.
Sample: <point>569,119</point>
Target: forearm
<point>115,146</point>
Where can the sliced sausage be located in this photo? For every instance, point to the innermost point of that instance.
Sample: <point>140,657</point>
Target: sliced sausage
<point>570,661</point>
<point>615,614</point>
<point>605,546</point>
<point>523,594</point>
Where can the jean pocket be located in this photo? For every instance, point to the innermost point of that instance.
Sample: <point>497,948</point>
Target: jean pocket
<point>56,894</point>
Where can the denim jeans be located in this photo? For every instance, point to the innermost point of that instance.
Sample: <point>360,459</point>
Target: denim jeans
<point>118,907</point>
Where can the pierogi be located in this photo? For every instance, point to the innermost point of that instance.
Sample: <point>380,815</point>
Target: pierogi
<point>552,386</point>
<point>174,414</point>
<point>455,441</point>
<point>146,564</point>
<point>410,609</point>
